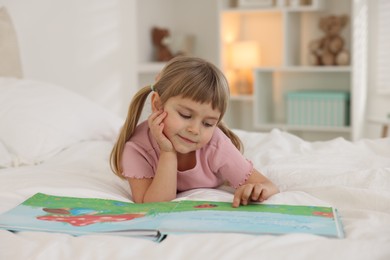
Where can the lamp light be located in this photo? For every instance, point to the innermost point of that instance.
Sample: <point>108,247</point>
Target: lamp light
<point>245,55</point>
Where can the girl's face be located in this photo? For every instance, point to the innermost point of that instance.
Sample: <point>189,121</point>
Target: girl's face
<point>189,125</point>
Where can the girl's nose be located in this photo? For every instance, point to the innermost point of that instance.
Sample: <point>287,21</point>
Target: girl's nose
<point>193,128</point>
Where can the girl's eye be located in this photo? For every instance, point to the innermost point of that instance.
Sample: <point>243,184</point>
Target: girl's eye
<point>185,116</point>
<point>208,124</point>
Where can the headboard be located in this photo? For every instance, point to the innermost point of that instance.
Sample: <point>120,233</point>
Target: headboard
<point>10,64</point>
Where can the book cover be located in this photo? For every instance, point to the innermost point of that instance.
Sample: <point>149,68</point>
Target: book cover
<point>81,216</point>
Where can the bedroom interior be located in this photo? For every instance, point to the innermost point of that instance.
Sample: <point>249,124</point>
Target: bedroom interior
<point>100,43</point>
<point>68,70</point>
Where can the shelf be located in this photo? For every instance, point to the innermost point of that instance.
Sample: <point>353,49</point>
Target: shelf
<point>287,127</point>
<point>284,34</point>
<point>243,10</point>
<point>241,97</point>
<point>272,85</point>
<point>150,67</point>
<point>316,5</point>
<point>305,69</point>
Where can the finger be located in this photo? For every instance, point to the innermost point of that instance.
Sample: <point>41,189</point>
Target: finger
<point>242,195</point>
<point>257,192</point>
<point>237,197</point>
<point>264,194</point>
<point>152,117</point>
<point>156,118</point>
<point>160,130</point>
<point>246,194</point>
<point>155,115</point>
<point>160,118</point>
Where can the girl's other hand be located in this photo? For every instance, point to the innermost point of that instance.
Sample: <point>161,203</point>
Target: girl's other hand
<point>257,192</point>
<point>156,126</point>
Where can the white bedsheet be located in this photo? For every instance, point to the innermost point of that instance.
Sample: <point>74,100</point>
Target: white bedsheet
<point>353,177</point>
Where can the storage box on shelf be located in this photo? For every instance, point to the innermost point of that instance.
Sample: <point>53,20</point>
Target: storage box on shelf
<point>318,108</point>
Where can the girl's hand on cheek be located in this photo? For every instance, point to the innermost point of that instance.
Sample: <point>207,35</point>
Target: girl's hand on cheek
<point>156,126</point>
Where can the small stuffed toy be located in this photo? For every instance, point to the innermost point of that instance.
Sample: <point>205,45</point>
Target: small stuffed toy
<point>329,49</point>
<point>160,38</point>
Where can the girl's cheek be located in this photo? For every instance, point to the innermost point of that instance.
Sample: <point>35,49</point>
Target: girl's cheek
<point>167,118</point>
<point>167,124</point>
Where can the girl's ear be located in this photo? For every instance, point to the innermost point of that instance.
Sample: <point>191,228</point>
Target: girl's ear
<point>156,102</point>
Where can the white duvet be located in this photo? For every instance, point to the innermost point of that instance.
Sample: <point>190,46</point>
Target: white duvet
<point>353,177</point>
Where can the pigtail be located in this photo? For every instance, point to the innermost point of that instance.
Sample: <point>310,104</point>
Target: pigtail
<point>133,115</point>
<point>233,137</point>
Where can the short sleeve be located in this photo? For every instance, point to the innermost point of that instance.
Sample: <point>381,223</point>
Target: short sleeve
<point>230,163</point>
<point>136,162</point>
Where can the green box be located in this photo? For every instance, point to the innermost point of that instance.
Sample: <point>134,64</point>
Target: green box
<point>318,108</point>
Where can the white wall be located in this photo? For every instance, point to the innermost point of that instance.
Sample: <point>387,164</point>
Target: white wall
<point>86,46</point>
<point>378,104</point>
<point>91,46</point>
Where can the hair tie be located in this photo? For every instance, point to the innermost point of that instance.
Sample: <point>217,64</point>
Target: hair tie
<point>152,87</point>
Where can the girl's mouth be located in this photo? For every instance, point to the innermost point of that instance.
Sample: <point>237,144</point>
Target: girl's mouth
<point>187,140</point>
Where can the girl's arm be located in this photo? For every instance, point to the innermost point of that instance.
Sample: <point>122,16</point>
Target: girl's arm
<point>256,188</point>
<point>163,186</point>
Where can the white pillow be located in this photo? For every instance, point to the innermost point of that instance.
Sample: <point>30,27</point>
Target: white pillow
<point>5,157</point>
<point>37,120</point>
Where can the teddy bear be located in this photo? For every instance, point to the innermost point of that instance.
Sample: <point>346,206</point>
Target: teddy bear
<point>329,50</point>
<point>160,39</point>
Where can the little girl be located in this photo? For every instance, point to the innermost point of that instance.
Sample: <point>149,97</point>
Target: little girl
<point>184,144</point>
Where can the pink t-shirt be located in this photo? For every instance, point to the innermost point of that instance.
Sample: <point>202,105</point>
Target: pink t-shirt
<point>216,162</point>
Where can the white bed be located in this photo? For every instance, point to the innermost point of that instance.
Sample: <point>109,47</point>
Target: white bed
<point>56,142</point>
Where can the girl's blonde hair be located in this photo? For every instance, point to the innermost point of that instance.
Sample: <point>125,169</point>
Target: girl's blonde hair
<point>188,77</point>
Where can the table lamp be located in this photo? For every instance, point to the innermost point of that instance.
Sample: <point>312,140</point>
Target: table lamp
<point>245,55</point>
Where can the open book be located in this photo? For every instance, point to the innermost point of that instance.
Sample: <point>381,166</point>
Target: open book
<point>81,216</point>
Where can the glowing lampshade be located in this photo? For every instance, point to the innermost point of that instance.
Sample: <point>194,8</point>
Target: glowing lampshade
<point>245,54</point>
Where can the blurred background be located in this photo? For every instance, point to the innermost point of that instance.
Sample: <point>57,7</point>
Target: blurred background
<point>275,54</point>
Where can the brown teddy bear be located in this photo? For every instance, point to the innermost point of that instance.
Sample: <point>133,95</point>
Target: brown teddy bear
<point>160,36</point>
<point>329,50</point>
